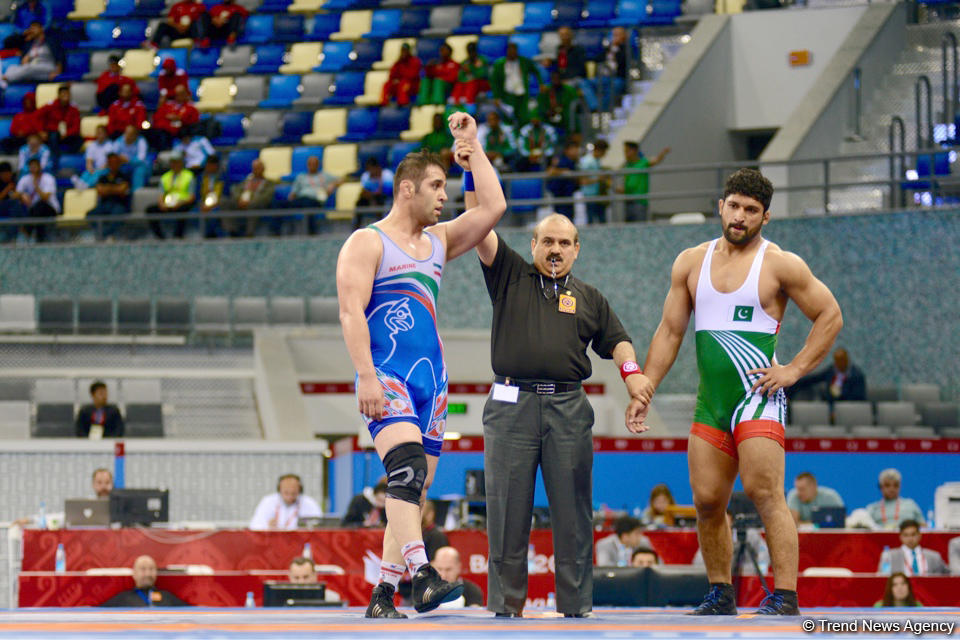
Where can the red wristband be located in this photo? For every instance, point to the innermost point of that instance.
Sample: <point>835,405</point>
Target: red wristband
<point>629,368</point>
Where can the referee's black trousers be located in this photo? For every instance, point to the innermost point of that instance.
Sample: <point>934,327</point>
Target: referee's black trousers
<point>554,432</point>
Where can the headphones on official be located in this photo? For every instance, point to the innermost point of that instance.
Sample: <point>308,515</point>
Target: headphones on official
<point>290,475</point>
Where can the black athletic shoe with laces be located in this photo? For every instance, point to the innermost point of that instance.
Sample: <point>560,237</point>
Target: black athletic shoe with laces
<point>719,601</point>
<point>779,603</point>
<point>430,590</point>
<point>381,603</point>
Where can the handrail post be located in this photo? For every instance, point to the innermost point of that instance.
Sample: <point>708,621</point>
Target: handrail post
<point>948,40</point>
<point>897,123</point>
<point>826,187</point>
<point>923,82</point>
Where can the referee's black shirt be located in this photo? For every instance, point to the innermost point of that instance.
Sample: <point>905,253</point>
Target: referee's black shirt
<point>531,337</point>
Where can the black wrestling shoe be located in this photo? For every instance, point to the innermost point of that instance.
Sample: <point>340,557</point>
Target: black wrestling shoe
<point>585,614</point>
<point>430,590</point>
<point>719,601</point>
<point>381,603</point>
<point>779,603</point>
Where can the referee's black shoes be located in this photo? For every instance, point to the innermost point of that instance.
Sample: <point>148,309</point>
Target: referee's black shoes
<point>381,603</point>
<point>721,600</point>
<point>430,590</point>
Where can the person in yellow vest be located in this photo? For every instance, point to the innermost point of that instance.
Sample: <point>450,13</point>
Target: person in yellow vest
<point>178,196</point>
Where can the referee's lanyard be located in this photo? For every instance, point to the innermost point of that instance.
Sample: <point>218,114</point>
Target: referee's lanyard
<point>145,596</point>
<point>293,518</point>
<point>896,513</point>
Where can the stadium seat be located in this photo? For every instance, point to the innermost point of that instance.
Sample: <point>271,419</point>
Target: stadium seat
<point>598,14</point>
<point>852,413</point>
<point>89,124</point>
<point>17,313</point>
<point>249,313</point>
<point>267,58</point>
<point>287,311</point>
<point>55,315</point>
<point>129,33</point>
<point>353,24</point>
<point>340,159</point>
<point>143,421</point>
<point>398,151</point>
<point>94,315</point>
<point>809,412</point>
<point>428,48</point>
<point>283,91</point>
<point>334,57</point>
<point>938,414</point>
<point>250,91</point>
<point>298,160</point>
<point>567,14</point>
<point>528,44</point>
<point>630,13</point>
<point>77,203</point>
<point>5,128</point>
<point>328,125</point>
<point>443,20</point>
<point>276,162</point>
<point>367,150</point>
<point>882,393</point>
<point>231,129</point>
<point>391,52</point>
<point>322,26</point>
<point>45,93</point>
<point>361,125</point>
<point>474,18</point>
<point>870,431</point>
<point>98,63</point>
<point>204,61</point>
<point>148,8</point>
<point>347,195</point>
<point>143,198</point>
<point>383,23</point>
<point>505,18</point>
<point>86,9</point>
<point>118,8</point>
<point>234,61</point>
<point>287,28</point>
<point>492,47</point>
<point>364,54</point>
<point>54,421</point>
<point>294,125</point>
<point>77,64</point>
<point>525,189</point>
<point>261,127</point>
<point>172,315</point>
<point>346,87</point>
<point>15,389</point>
<point>137,63</point>
<point>896,414</point>
<point>98,33</point>
<point>372,88</point>
<point>149,93</point>
<point>215,94</point>
<point>549,43</point>
<point>324,310</point>
<point>413,21</point>
<point>592,43</point>
<point>211,314</point>
<point>133,315</point>
<point>914,431</point>
<point>70,164</point>
<point>316,89</point>
<point>274,6</point>
<point>459,45</point>
<point>537,17</point>
<point>303,57</point>
<point>13,98</point>
<point>141,390</point>
<point>179,56</point>
<point>305,6</point>
<point>392,121</point>
<point>920,392</point>
<point>663,12</point>
<point>421,122</point>
<point>238,164</point>
<point>259,30</point>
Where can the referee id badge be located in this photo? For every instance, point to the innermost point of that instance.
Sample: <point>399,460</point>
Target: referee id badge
<point>568,304</point>
<point>505,392</point>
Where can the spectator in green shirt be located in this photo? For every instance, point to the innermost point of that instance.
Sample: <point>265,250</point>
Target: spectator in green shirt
<point>510,83</point>
<point>497,141</point>
<point>473,77</point>
<point>638,183</point>
<point>439,140</point>
<point>806,495</point>
<point>553,104</point>
<point>178,195</point>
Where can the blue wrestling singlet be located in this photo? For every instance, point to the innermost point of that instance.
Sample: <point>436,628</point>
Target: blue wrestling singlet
<point>405,344</point>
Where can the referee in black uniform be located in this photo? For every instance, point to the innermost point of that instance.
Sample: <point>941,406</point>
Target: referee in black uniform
<point>538,414</point>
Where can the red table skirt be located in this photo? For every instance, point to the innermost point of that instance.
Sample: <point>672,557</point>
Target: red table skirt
<point>229,589</point>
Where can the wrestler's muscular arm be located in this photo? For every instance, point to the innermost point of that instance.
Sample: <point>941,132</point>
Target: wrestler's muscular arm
<point>816,302</point>
<point>356,270</point>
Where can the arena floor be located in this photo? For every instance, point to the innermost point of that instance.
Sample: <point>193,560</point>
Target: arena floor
<point>277,624</point>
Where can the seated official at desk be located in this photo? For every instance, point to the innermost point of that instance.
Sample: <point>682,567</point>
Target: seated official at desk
<point>144,593</point>
<point>282,510</point>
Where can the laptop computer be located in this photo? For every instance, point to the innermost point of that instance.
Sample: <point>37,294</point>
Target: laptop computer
<point>81,512</point>
<point>829,517</point>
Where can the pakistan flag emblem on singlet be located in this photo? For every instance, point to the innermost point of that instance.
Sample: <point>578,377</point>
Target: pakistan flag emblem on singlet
<point>742,314</point>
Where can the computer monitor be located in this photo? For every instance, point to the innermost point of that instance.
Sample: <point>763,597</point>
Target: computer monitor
<point>829,517</point>
<point>289,594</point>
<point>131,507</point>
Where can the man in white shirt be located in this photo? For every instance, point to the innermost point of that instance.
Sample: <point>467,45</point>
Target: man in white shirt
<point>38,192</point>
<point>282,510</point>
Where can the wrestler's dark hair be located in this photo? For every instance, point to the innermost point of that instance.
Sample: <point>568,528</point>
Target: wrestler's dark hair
<point>414,167</point>
<point>750,183</point>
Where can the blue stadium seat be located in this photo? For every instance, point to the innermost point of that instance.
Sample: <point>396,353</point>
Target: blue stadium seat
<point>5,128</point>
<point>474,18</point>
<point>398,151</point>
<point>336,57</point>
<point>392,121</point>
<point>287,27</point>
<point>274,6</point>
<point>321,26</point>
<point>7,30</point>
<point>630,13</point>
<point>592,43</point>
<point>567,14</point>
<point>238,164</point>
<point>428,49</point>
<point>179,56</point>
<point>537,17</point>
<point>231,129</point>
<point>149,93</point>
<point>77,64</point>
<point>492,47</point>
<point>281,193</point>
<point>130,33</point>
<point>282,91</point>
<point>194,85</point>
<point>70,164</point>
<point>59,9</point>
<point>294,125</point>
<point>598,13</point>
<point>384,23</point>
<point>347,86</point>
<point>99,34</point>
<point>204,62</point>
<point>364,54</point>
<point>149,8</point>
<point>342,5</point>
<point>525,189</point>
<point>528,44</point>
<point>663,11</point>
<point>268,57</point>
<point>378,150</point>
<point>298,160</point>
<point>13,98</point>
<point>413,21</point>
<point>427,3</point>
<point>361,124</point>
<point>118,8</point>
<point>6,63</point>
<point>259,29</point>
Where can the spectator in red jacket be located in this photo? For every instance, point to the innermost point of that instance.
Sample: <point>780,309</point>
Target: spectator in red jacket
<point>170,78</point>
<point>441,73</point>
<point>127,109</point>
<point>404,80</point>
<point>171,117</point>
<point>61,121</point>
<point>24,123</point>
<point>185,20</point>
<point>226,21</point>
<point>109,83</point>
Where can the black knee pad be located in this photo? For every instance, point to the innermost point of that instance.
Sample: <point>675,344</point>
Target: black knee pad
<point>406,466</point>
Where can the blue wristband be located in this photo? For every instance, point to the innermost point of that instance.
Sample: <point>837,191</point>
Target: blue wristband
<point>468,181</point>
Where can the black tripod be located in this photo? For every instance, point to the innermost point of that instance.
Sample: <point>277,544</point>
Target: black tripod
<point>741,523</point>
